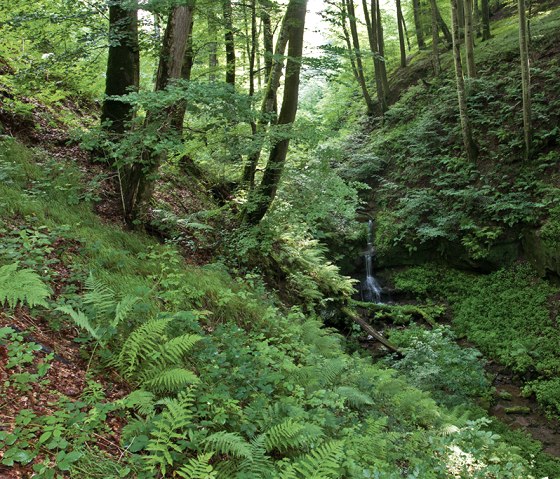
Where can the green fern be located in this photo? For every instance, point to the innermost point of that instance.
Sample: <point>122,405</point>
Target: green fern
<point>167,380</point>
<point>167,436</point>
<point>354,397</point>
<point>81,321</point>
<point>322,463</point>
<point>198,468</point>
<point>99,296</point>
<point>22,285</point>
<point>229,443</point>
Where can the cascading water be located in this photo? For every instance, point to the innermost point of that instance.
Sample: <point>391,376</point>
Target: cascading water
<point>371,290</point>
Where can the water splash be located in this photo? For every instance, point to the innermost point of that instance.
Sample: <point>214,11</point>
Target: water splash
<point>371,290</point>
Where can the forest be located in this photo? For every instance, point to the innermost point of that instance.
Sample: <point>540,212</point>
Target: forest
<point>280,239</point>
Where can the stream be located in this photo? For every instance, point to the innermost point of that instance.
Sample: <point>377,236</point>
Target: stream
<point>509,405</point>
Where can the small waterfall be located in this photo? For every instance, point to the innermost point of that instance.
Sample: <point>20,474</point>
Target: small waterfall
<point>371,290</point>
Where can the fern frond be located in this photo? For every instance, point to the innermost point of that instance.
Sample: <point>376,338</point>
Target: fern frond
<point>198,468</point>
<point>170,380</point>
<point>173,350</point>
<point>22,285</point>
<point>331,370</point>
<point>141,400</point>
<point>283,436</point>
<point>259,465</point>
<point>99,296</point>
<point>123,309</point>
<point>354,397</point>
<point>81,320</point>
<point>322,463</point>
<point>140,344</point>
<point>228,443</point>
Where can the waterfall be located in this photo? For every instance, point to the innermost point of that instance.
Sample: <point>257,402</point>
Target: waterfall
<point>371,290</point>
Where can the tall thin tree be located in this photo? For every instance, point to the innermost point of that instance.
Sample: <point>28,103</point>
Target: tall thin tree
<point>262,197</point>
<point>525,76</point>
<point>400,28</point>
<point>470,147</point>
<point>469,38</point>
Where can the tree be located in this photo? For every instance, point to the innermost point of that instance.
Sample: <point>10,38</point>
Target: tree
<point>229,41</point>
<point>435,37</point>
<point>123,66</point>
<point>469,38</point>
<point>262,197</point>
<point>418,24</point>
<point>525,77</point>
<point>400,27</point>
<point>350,14</point>
<point>470,147</point>
<point>485,11</point>
<point>137,180</point>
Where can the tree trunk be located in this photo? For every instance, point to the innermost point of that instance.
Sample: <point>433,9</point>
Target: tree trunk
<point>267,37</point>
<point>137,181</point>
<point>469,38</point>
<point>470,148</point>
<point>418,24</point>
<point>269,106</point>
<point>477,19</point>
<point>381,46</point>
<point>525,77</point>
<point>263,196</point>
<point>351,14</point>
<point>123,67</point>
<point>485,7</point>
<point>435,38</point>
<point>444,28</point>
<point>229,42</point>
<point>212,47</point>
<point>371,25</point>
<point>400,21</point>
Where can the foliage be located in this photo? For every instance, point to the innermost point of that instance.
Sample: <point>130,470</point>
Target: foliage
<point>22,285</point>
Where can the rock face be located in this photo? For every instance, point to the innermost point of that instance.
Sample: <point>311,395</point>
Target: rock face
<point>543,251</point>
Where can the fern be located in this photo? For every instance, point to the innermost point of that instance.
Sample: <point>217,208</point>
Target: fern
<point>167,380</point>
<point>322,463</point>
<point>354,397</point>
<point>228,443</point>
<point>290,434</point>
<point>23,285</point>
<point>198,468</point>
<point>99,296</point>
<point>81,321</point>
<point>330,370</point>
<point>168,432</point>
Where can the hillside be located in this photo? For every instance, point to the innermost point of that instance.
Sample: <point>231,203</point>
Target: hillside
<point>185,262</point>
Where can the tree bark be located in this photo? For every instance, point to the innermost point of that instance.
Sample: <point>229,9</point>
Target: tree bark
<point>137,181</point>
<point>435,38</point>
<point>400,21</point>
<point>525,77</point>
<point>485,7</point>
<point>263,196</point>
<point>470,147</point>
<point>444,28</point>
<point>418,24</point>
<point>123,67</point>
<point>371,25</point>
<point>351,15</point>
<point>229,41</point>
<point>269,105</point>
<point>469,38</point>
<point>381,46</point>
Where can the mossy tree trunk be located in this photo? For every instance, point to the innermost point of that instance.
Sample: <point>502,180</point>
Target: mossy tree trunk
<point>229,42</point>
<point>435,37</point>
<point>469,38</point>
<point>485,13</point>
<point>262,197</point>
<point>123,66</point>
<point>418,24</point>
<point>356,53</point>
<point>525,76</point>
<point>400,27</point>
<point>138,180</point>
<point>470,147</point>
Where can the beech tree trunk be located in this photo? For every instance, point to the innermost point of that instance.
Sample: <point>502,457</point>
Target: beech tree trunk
<point>123,67</point>
<point>351,15</point>
<point>525,77</point>
<point>262,197</point>
<point>400,22</point>
<point>381,45</point>
<point>485,11</point>
<point>444,28</point>
<point>137,181</point>
<point>470,148</point>
<point>418,24</point>
<point>229,41</point>
<point>269,107</point>
<point>371,25</point>
<point>469,38</point>
<point>435,38</point>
